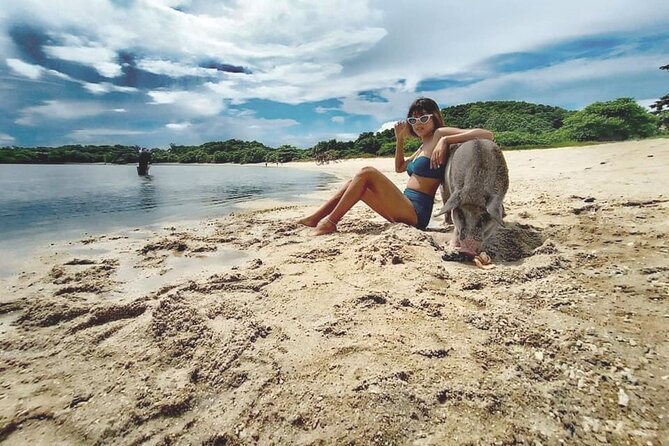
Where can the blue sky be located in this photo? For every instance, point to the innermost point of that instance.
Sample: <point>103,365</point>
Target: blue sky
<point>155,72</point>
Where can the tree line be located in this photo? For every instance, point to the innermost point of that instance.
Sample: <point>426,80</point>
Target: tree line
<point>515,124</point>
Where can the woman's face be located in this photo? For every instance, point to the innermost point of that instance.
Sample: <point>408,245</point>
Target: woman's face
<point>422,127</point>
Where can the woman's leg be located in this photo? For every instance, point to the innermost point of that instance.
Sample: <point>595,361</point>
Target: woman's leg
<point>313,219</point>
<point>378,192</point>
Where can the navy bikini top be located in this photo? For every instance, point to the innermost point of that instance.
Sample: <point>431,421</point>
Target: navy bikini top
<point>421,167</point>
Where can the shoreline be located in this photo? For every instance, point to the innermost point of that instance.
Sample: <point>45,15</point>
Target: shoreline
<point>27,249</point>
<point>23,242</point>
<point>362,336</point>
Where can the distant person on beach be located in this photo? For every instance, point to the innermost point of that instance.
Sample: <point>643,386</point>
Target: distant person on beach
<point>425,168</point>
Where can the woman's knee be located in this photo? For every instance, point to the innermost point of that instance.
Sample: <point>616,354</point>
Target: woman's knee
<point>367,172</point>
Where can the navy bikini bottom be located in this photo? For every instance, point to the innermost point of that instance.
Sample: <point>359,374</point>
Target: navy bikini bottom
<point>423,204</point>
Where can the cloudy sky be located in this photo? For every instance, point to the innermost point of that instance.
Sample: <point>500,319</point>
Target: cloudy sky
<point>155,72</point>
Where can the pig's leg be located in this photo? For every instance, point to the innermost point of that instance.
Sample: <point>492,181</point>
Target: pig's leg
<point>445,194</point>
<point>455,241</point>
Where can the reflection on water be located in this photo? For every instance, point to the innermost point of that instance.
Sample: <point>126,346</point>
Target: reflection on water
<point>147,193</point>
<point>232,194</point>
<point>50,201</point>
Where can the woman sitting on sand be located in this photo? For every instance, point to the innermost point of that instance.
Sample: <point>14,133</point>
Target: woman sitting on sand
<point>425,168</point>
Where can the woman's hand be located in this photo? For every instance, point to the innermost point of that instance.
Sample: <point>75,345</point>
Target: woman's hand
<point>439,153</point>
<point>401,130</point>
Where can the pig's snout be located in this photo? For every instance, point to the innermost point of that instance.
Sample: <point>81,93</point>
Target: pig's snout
<point>469,246</point>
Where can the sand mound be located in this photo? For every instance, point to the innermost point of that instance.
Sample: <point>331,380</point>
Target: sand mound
<point>514,242</point>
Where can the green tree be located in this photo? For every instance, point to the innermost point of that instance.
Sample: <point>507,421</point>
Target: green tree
<point>286,153</point>
<point>221,157</point>
<point>663,119</point>
<point>515,138</point>
<point>616,120</point>
<point>660,104</point>
<point>272,157</point>
<point>201,156</point>
<point>186,157</point>
<point>387,149</point>
<point>367,142</point>
<point>322,147</point>
<point>501,116</point>
<point>254,155</point>
<point>326,157</point>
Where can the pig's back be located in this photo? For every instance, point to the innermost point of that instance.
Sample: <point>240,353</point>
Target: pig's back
<point>477,164</point>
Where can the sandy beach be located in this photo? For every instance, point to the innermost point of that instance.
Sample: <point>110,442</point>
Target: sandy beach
<point>247,330</point>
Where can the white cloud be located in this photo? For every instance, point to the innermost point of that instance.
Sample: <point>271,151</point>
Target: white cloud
<point>174,69</point>
<point>25,69</point>
<point>322,110</point>
<point>298,51</point>
<point>264,125</point>
<point>106,87</point>
<point>289,43</point>
<point>229,89</point>
<point>260,129</point>
<point>346,136</point>
<point>462,35</point>
<point>296,73</point>
<point>556,80</point>
<point>178,125</point>
<point>103,131</point>
<point>35,72</point>
<point>646,103</point>
<point>197,104</point>
<point>386,126</point>
<point>578,81</point>
<point>338,119</point>
<point>61,110</point>
<point>269,131</point>
<point>60,75</point>
<point>99,134</point>
<point>301,51</point>
<point>101,58</point>
<point>312,89</point>
<point>244,112</point>
<point>6,139</point>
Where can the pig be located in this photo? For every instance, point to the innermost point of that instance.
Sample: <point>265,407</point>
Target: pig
<point>475,182</point>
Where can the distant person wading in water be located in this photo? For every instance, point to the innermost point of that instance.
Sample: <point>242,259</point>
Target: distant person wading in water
<point>425,168</point>
<point>144,160</point>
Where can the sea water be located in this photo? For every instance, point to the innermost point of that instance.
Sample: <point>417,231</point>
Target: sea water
<point>41,203</point>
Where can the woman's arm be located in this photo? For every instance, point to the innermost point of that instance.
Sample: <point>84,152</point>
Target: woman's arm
<point>453,135</point>
<point>456,135</point>
<point>406,162</point>
<point>401,133</point>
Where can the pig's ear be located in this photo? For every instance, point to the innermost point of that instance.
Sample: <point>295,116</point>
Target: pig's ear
<point>452,203</point>
<point>496,209</point>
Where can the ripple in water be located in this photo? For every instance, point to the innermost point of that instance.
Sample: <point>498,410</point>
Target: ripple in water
<point>50,201</point>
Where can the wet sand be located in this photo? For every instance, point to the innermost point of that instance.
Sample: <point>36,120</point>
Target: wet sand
<point>246,330</point>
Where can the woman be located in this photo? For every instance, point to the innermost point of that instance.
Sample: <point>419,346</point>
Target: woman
<point>425,168</point>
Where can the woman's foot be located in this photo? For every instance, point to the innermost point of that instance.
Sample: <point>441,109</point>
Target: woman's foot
<point>308,221</point>
<point>325,226</point>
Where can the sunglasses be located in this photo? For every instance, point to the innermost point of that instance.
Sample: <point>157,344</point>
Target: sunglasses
<point>422,119</point>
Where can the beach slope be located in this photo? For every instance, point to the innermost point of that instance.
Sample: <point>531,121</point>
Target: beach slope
<point>247,330</point>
